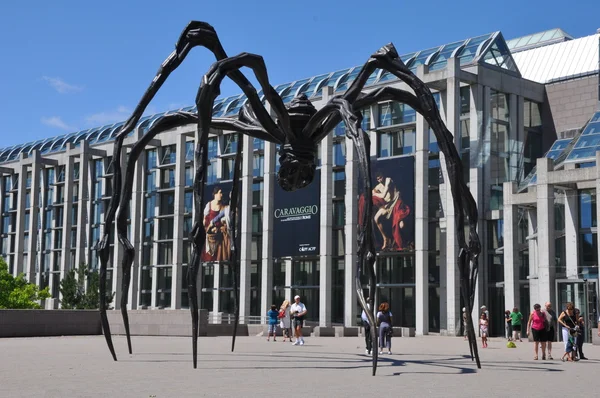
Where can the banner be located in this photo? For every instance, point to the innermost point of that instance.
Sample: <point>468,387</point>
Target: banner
<point>296,220</point>
<point>393,182</point>
<point>217,223</point>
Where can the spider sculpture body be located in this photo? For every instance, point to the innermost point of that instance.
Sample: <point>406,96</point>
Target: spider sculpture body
<point>297,128</point>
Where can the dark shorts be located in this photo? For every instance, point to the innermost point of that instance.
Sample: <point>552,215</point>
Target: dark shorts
<point>539,335</point>
<point>298,322</point>
<point>516,328</point>
<point>551,335</point>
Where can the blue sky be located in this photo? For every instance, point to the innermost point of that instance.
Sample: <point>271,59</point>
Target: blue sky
<point>71,65</point>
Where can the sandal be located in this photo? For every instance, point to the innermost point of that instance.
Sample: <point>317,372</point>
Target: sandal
<point>535,358</point>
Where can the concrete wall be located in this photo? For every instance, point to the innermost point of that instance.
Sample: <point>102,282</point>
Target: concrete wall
<point>572,102</point>
<point>160,323</point>
<point>33,323</point>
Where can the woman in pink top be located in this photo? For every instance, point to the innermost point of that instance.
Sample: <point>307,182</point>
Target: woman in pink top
<point>537,326</point>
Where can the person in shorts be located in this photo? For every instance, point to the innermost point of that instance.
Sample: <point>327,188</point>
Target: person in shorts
<point>272,316</point>
<point>516,319</point>
<point>536,325</point>
<point>297,312</point>
<point>551,320</point>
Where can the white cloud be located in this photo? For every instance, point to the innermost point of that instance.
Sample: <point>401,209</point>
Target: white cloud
<point>61,86</point>
<point>55,121</point>
<point>120,114</point>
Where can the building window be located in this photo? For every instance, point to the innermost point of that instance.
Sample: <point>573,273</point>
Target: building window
<point>395,143</point>
<point>392,113</point>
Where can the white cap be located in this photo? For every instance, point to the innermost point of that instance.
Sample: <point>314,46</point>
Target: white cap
<point>297,297</point>
<point>483,306</point>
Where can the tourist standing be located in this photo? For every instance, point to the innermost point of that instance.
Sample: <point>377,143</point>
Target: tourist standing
<point>567,322</point>
<point>508,325</point>
<point>285,321</point>
<point>536,325</point>
<point>384,319</point>
<point>551,321</point>
<point>272,316</point>
<point>580,335</point>
<point>483,328</point>
<point>516,319</point>
<point>464,321</point>
<point>297,312</point>
<point>367,327</point>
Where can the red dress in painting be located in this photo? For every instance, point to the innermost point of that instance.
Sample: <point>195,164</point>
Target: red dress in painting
<point>217,246</point>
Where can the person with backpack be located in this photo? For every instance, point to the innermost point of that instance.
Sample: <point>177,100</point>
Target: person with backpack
<point>384,320</point>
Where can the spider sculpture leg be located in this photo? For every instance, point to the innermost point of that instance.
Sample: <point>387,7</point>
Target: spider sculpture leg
<point>195,34</point>
<point>207,94</point>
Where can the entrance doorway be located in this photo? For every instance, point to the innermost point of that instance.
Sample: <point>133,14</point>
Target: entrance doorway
<point>583,293</point>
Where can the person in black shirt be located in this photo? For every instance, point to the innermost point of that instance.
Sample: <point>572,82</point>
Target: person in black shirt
<point>551,320</point>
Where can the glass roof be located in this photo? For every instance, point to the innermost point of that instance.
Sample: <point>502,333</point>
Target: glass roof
<point>588,142</point>
<point>497,53</point>
<point>468,51</point>
<point>538,39</point>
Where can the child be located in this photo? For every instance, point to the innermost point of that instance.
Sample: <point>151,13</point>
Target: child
<point>272,315</point>
<point>570,346</point>
<point>483,327</point>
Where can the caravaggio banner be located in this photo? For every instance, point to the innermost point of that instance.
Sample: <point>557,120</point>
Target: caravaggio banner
<point>393,183</point>
<point>296,215</point>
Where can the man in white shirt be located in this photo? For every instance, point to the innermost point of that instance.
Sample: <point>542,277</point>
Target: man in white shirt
<point>297,312</point>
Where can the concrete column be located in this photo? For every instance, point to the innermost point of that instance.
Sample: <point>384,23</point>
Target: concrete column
<point>118,252</point>
<point>155,234</point>
<point>422,225</point>
<point>215,288</point>
<point>571,232</point>
<point>245,227</point>
<point>511,253</point>
<point>83,209</point>
<point>516,134</point>
<point>477,179</point>
<point>180,165</point>
<point>20,227</point>
<point>326,247</point>
<point>34,218</point>
<point>452,113</point>
<point>351,230</point>
<point>288,279</point>
<point>266,294</point>
<point>136,225</point>
<point>66,265</point>
<point>533,255</point>
<point>545,238</point>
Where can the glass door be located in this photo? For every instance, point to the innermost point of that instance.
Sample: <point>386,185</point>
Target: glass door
<point>583,294</point>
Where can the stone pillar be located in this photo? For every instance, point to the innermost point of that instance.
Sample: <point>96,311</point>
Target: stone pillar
<point>83,210</point>
<point>571,232</point>
<point>136,215</point>
<point>20,227</point>
<point>545,238</point>
<point>511,252</point>
<point>452,113</point>
<point>65,265</point>
<point>266,294</point>
<point>215,288</point>
<point>325,215</point>
<point>178,214</point>
<point>533,255</point>
<point>288,279</point>
<point>245,227</point>
<point>116,258</point>
<point>34,218</point>
<point>422,224</point>
<point>477,178</point>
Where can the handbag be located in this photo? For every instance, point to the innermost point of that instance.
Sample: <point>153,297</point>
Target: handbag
<point>281,314</point>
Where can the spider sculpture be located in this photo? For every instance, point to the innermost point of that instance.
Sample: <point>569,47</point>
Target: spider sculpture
<point>297,127</point>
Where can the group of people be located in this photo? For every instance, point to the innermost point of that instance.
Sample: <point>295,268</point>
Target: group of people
<point>386,331</point>
<point>287,317</point>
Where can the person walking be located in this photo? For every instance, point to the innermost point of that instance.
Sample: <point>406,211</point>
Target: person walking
<point>384,319</point>
<point>508,325</point>
<point>551,321</point>
<point>367,327</point>
<point>272,315</point>
<point>285,321</point>
<point>464,321</point>
<point>579,339</point>
<point>516,318</point>
<point>567,322</point>
<point>536,325</point>
<point>297,312</point>
<point>483,328</point>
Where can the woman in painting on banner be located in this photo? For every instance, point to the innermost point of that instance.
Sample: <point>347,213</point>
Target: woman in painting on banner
<point>216,223</point>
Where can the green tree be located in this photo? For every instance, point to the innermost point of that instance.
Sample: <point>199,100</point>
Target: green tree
<point>17,293</point>
<point>74,294</point>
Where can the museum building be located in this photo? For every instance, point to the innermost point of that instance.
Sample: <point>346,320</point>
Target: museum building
<point>524,114</point>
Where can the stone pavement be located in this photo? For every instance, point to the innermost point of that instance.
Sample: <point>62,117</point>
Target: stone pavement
<point>161,367</point>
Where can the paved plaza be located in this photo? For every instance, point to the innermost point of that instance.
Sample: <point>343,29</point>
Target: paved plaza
<point>161,367</point>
